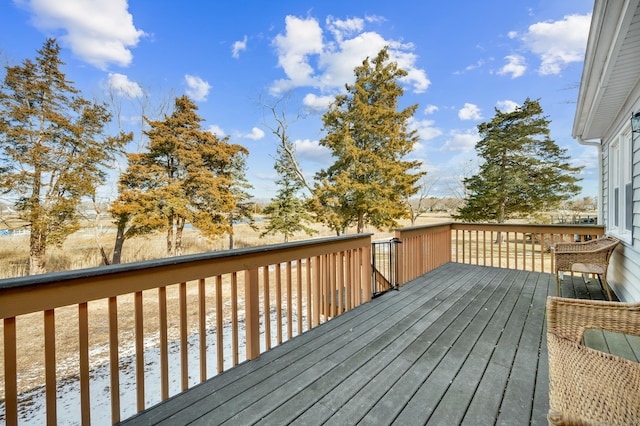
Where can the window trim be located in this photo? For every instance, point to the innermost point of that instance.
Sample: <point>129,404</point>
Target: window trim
<point>620,186</point>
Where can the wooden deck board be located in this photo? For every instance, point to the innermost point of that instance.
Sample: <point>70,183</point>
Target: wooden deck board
<point>379,338</point>
<point>302,351</point>
<point>459,339</point>
<point>395,338</point>
<point>486,403</point>
<point>519,394</point>
<point>424,354</point>
<point>460,344</point>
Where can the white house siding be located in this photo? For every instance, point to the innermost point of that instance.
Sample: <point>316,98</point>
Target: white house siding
<point>624,268</point>
<point>609,94</point>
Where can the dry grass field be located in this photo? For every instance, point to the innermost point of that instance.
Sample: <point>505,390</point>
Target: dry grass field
<point>81,250</point>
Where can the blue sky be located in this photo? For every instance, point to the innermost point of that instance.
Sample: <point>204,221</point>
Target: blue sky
<point>464,59</point>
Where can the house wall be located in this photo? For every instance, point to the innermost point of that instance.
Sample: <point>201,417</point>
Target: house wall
<point>624,268</point>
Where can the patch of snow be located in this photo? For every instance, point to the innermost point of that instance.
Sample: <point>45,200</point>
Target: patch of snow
<point>31,404</point>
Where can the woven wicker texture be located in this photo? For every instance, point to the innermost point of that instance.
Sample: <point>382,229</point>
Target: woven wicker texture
<point>587,386</point>
<point>586,257</point>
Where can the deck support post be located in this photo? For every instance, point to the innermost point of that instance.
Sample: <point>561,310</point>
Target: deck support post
<point>252,312</point>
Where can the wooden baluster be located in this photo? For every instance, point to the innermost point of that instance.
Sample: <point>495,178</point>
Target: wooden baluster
<point>139,333</point>
<point>234,318</point>
<point>267,308</point>
<point>83,347</point>
<point>184,348</point>
<point>164,343</point>
<point>252,313</point>
<point>10,372</point>
<point>202,328</point>
<point>114,360</point>
<point>219,325</point>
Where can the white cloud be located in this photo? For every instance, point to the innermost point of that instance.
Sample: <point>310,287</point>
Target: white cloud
<point>99,32</point>
<point>312,151</point>
<point>256,134</point>
<point>558,43</point>
<point>121,84</point>
<point>217,130</point>
<point>239,46</point>
<point>341,28</point>
<point>430,109</point>
<point>425,129</point>
<point>302,38</point>
<point>338,61</point>
<point>461,141</point>
<point>474,66</point>
<point>471,67</point>
<point>512,34</point>
<point>506,106</point>
<point>311,58</point>
<point>515,66</point>
<point>197,88</point>
<point>406,60</point>
<point>469,112</point>
<point>317,103</point>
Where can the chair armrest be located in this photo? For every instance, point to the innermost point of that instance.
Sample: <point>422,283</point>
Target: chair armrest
<point>595,252</point>
<point>570,318</point>
<point>565,260</point>
<point>576,246</point>
<point>593,246</point>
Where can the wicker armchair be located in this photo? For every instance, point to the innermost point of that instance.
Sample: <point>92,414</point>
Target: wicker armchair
<point>587,386</point>
<point>589,257</point>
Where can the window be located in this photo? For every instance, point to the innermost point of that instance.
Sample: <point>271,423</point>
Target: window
<point>620,186</point>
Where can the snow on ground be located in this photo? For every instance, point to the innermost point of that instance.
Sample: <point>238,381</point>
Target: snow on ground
<point>31,404</point>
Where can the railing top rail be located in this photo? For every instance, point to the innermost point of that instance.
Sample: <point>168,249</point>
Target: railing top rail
<point>71,287</point>
<point>524,227</point>
<point>548,228</point>
<point>502,227</point>
<point>418,230</point>
<point>177,260</point>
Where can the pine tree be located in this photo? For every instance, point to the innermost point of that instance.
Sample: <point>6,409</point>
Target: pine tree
<point>54,149</point>
<point>367,134</point>
<point>231,168</point>
<point>523,171</point>
<point>180,180</point>
<point>287,213</point>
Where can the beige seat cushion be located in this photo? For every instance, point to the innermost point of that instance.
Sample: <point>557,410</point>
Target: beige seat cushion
<point>587,268</point>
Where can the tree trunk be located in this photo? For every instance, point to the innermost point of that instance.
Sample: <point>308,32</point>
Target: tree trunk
<point>170,236</point>
<point>37,253</point>
<point>117,247</point>
<point>501,218</point>
<point>230,240</point>
<point>360,229</point>
<point>501,212</point>
<point>96,234</point>
<point>180,222</point>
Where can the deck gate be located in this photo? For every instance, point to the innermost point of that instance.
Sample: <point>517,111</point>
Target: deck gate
<point>384,266</point>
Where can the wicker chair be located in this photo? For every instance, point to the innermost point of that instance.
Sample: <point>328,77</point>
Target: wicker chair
<point>589,257</point>
<point>587,386</point>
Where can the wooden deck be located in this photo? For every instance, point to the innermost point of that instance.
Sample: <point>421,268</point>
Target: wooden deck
<point>460,345</point>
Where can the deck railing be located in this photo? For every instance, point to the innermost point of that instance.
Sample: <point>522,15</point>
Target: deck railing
<point>63,326</point>
<point>162,326</point>
<point>515,246</point>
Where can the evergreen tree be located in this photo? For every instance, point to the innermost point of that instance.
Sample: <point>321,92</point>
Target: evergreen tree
<point>236,184</point>
<point>179,180</point>
<point>287,213</point>
<point>523,171</point>
<point>370,179</point>
<point>54,148</point>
